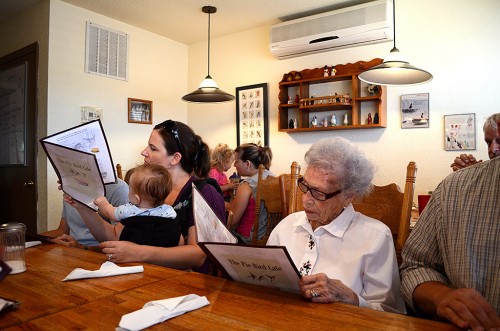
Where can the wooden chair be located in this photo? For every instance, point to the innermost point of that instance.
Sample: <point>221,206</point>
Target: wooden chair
<point>119,172</point>
<point>267,195</point>
<point>291,198</point>
<point>229,219</point>
<point>392,207</point>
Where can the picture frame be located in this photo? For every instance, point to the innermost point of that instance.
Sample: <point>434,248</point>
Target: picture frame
<point>460,132</point>
<point>251,115</point>
<point>415,111</point>
<point>140,111</point>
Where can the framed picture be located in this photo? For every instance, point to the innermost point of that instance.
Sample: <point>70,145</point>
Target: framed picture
<point>140,111</point>
<point>415,110</point>
<point>459,132</point>
<point>251,115</point>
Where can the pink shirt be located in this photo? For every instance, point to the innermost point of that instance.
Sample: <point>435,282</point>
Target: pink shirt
<point>247,219</point>
<point>221,179</point>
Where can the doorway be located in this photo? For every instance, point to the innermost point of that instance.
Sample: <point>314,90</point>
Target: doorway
<point>18,139</point>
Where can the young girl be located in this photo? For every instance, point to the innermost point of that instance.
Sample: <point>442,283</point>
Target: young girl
<point>146,218</point>
<point>221,161</point>
<point>248,159</point>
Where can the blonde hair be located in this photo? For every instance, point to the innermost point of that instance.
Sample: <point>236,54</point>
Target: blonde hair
<point>220,155</point>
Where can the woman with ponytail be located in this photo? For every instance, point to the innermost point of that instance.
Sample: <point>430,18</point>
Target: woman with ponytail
<point>186,156</point>
<point>248,157</point>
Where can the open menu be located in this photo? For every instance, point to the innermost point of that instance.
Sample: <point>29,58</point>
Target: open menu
<point>269,266</point>
<point>81,159</point>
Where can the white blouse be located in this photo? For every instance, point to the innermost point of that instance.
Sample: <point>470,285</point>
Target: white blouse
<point>353,248</point>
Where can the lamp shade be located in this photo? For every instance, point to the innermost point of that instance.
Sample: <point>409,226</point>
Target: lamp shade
<point>208,91</point>
<point>395,70</point>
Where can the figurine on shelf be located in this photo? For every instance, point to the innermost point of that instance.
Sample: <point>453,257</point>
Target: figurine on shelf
<point>325,71</point>
<point>369,119</point>
<point>298,76</point>
<point>337,97</point>
<point>325,122</point>
<point>312,99</point>
<point>372,89</point>
<point>290,100</point>
<point>375,119</point>
<point>297,98</point>
<point>289,77</point>
<point>295,125</point>
<point>347,98</point>
<point>333,71</point>
<point>346,122</point>
<point>333,120</point>
<point>314,122</point>
<point>290,124</point>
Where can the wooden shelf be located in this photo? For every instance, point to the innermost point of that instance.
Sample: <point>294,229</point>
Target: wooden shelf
<point>344,85</point>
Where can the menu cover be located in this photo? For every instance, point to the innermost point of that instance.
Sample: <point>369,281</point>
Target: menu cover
<point>81,159</point>
<point>269,266</point>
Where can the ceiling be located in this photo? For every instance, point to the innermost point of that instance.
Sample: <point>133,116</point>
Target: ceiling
<point>183,20</point>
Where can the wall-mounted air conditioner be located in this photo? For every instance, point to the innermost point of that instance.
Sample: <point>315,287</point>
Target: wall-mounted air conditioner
<point>347,27</point>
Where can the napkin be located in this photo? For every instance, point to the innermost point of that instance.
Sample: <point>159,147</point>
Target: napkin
<point>107,269</point>
<point>5,304</point>
<point>29,244</point>
<point>155,312</point>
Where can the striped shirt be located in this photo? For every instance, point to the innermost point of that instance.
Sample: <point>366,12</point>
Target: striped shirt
<point>457,238</point>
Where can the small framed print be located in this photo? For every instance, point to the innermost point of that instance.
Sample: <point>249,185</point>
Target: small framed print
<point>251,115</point>
<point>459,132</point>
<point>140,111</point>
<point>415,110</point>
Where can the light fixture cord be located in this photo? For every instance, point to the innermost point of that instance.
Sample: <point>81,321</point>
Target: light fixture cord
<point>394,20</point>
<point>209,42</point>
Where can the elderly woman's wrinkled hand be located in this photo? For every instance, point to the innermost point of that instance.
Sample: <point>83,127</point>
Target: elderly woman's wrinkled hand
<point>66,240</point>
<point>320,288</point>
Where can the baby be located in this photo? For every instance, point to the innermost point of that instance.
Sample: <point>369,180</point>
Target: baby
<point>146,218</point>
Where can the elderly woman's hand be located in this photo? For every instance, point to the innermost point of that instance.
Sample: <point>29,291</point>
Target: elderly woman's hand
<point>320,288</point>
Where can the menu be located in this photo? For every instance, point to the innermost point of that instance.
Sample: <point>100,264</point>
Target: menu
<point>269,266</point>
<point>81,159</point>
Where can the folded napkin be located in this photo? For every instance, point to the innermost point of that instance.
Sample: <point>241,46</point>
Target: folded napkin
<point>155,312</point>
<point>106,269</point>
<point>6,304</point>
<point>29,244</point>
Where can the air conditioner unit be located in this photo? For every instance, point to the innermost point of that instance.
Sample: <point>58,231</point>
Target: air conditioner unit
<point>363,24</point>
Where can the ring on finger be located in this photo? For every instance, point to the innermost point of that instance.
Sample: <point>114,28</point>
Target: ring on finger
<point>314,294</point>
<point>110,256</point>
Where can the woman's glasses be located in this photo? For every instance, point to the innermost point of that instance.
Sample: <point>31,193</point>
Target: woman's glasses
<point>171,126</point>
<point>316,194</point>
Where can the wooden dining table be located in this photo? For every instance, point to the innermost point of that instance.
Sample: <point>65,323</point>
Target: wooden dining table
<point>48,303</point>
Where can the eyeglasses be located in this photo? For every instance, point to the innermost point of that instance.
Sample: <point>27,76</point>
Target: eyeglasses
<point>318,195</point>
<point>171,126</point>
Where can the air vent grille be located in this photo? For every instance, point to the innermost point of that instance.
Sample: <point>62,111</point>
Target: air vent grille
<point>106,52</point>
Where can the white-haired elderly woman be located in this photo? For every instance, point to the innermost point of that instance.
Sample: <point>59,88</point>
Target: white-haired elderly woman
<point>342,255</point>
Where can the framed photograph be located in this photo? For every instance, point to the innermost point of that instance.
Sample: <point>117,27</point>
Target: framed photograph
<point>415,110</point>
<point>459,132</point>
<point>251,115</point>
<point>140,111</point>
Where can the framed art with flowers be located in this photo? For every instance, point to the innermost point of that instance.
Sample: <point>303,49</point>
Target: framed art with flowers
<point>459,132</point>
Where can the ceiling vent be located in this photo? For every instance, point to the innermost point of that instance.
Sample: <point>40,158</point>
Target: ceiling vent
<point>106,52</point>
<point>363,24</point>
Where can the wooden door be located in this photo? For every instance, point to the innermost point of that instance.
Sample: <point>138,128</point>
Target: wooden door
<point>18,140</point>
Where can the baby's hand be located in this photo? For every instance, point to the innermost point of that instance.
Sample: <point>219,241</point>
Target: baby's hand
<point>100,200</point>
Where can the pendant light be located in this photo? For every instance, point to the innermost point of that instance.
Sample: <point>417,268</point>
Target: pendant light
<point>395,69</point>
<point>208,91</point>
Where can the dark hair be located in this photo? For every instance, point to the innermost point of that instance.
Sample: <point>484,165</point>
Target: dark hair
<point>180,138</point>
<point>256,154</point>
<point>152,182</point>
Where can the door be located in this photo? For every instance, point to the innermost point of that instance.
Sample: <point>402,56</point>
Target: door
<point>18,140</point>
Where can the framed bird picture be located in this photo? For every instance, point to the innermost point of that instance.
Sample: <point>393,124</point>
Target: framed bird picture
<point>415,110</point>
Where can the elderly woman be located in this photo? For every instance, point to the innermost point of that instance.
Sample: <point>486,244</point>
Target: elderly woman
<point>342,255</point>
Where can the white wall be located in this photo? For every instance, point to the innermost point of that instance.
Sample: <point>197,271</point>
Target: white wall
<point>454,40</point>
<point>157,72</point>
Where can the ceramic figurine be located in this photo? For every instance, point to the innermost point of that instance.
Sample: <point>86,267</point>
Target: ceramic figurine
<point>325,122</point>
<point>297,98</point>
<point>369,119</point>
<point>325,71</point>
<point>333,120</point>
<point>333,71</point>
<point>314,122</point>
<point>346,122</point>
<point>290,124</point>
<point>295,126</point>
<point>290,100</point>
<point>375,119</point>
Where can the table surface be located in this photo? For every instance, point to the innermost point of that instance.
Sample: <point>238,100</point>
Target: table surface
<point>48,303</point>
